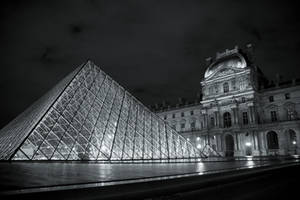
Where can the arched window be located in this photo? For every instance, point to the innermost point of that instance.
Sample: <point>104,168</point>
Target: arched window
<point>272,140</point>
<point>225,87</point>
<point>227,119</point>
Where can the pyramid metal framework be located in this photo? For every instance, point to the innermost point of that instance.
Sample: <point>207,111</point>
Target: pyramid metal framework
<point>89,116</point>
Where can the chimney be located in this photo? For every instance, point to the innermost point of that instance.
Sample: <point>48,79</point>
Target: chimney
<point>250,52</point>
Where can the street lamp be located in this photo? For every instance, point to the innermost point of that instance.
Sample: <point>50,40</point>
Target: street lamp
<point>294,143</point>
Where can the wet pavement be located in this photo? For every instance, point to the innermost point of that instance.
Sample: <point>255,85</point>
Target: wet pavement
<point>22,175</point>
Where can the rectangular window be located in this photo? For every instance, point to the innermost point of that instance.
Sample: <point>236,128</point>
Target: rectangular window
<point>182,126</point>
<point>216,89</point>
<point>182,114</point>
<point>225,87</point>
<point>174,126</point>
<point>287,96</point>
<point>233,84</point>
<point>192,112</point>
<point>271,98</point>
<point>245,117</point>
<point>173,116</point>
<point>212,121</point>
<point>273,116</point>
<point>165,117</point>
<point>193,125</point>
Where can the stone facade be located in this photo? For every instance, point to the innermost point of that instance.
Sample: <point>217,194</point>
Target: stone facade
<point>240,112</point>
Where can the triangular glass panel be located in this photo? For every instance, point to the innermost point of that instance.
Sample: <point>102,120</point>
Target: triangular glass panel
<point>94,118</point>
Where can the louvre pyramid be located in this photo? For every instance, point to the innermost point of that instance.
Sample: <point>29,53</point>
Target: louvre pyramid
<point>89,116</point>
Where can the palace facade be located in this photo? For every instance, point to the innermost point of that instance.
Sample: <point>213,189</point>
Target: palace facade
<point>240,112</point>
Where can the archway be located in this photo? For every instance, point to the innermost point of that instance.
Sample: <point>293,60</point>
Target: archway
<point>229,144</point>
<point>272,140</point>
<point>227,119</point>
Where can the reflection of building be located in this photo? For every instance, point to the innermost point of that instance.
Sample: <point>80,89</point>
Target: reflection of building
<point>240,113</point>
<point>89,116</point>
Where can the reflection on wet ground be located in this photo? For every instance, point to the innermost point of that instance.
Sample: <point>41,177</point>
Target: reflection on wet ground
<point>18,175</point>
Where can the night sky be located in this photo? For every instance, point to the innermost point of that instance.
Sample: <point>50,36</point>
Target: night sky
<point>155,49</point>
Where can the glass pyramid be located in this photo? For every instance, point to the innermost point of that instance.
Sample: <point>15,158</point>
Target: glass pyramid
<point>89,116</point>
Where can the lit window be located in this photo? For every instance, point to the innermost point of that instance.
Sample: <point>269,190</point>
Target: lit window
<point>198,138</point>
<point>287,96</point>
<point>245,117</point>
<point>225,87</point>
<point>271,98</point>
<point>273,116</point>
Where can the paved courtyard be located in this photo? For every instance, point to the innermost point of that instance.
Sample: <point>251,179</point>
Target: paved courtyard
<point>22,175</point>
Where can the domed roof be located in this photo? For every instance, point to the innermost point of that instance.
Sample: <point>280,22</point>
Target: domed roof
<point>234,61</point>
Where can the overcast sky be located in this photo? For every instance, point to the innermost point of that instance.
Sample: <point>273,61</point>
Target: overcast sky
<point>156,49</point>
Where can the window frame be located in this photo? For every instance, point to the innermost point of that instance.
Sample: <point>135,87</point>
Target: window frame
<point>225,87</point>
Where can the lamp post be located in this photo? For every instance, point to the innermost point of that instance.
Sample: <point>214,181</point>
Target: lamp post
<point>295,147</point>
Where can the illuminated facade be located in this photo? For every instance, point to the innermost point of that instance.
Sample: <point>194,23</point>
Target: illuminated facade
<point>240,112</point>
<point>89,116</point>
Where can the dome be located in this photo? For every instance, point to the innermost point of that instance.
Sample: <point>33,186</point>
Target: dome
<point>236,61</point>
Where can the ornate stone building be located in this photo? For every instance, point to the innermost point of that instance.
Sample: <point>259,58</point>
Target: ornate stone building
<point>240,113</point>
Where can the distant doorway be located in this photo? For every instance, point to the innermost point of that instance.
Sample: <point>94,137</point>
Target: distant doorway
<point>272,140</point>
<point>293,141</point>
<point>229,144</point>
<point>248,151</point>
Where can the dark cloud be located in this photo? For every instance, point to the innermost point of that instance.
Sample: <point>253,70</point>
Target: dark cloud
<point>155,49</point>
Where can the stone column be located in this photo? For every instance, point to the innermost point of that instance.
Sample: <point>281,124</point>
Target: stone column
<point>235,116</point>
<point>205,121</point>
<point>254,140</point>
<point>251,113</point>
<point>237,142</point>
<point>216,119</point>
